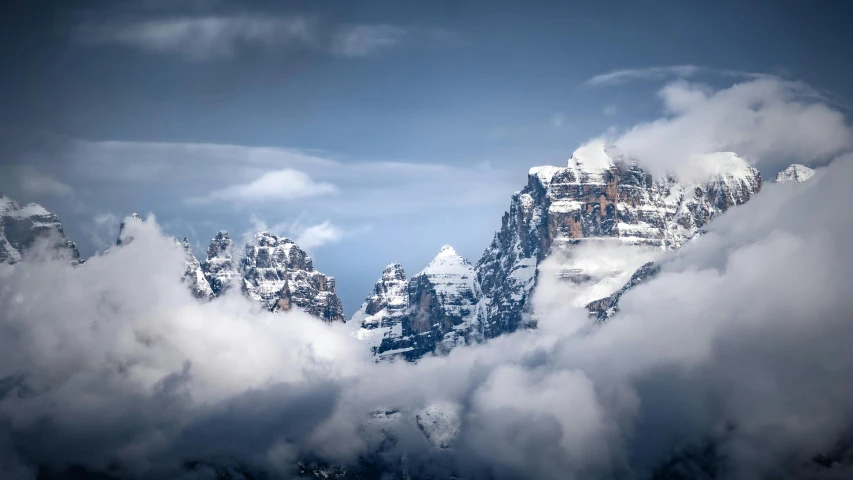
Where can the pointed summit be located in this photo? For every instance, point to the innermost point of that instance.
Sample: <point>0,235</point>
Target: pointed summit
<point>444,310</point>
<point>448,262</point>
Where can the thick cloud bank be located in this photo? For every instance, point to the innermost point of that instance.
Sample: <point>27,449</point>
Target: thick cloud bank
<point>769,121</point>
<point>733,362</point>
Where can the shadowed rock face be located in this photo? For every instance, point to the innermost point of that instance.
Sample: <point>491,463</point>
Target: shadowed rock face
<point>600,194</point>
<point>21,227</point>
<point>280,275</point>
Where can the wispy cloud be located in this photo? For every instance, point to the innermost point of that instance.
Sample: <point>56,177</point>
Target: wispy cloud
<point>361,40</point>
<point>617,77</point>
<point>285,184</point>
<point>308,236</point>
<point>218,37</point>
<point>215,174</point>
<point>37,183</point>
<point>204,37</point>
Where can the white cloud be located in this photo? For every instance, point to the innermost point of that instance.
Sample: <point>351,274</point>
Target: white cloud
<point>283,184</point>
<point>769,121</point>
<point>610,110</point>
<point>313,236</point>
<point>617,77</point>
<point>104,230</point>
<point>307,236</point>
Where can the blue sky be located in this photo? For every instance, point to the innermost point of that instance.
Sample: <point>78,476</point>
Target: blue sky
<point>373,131</point>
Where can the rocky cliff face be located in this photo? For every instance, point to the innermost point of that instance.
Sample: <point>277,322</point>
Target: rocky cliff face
<point>193,274</point>
<point>280,275</point>
<point>21,227</point>
<point>795,173</point>
<point>601,194</point>
<point>604,308</point>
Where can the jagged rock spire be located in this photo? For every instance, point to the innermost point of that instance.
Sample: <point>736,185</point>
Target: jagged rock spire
<point>219,268</point>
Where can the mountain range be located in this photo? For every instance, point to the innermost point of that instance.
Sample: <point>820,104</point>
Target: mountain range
<point>564,222</point>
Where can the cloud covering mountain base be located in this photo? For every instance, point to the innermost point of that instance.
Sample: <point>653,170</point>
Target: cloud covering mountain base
<point>740,343</point>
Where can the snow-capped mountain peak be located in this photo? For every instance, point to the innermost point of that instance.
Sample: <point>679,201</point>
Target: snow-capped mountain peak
<point>21,227</point>
<point>796,173</point>
<point>447,262</point>
<point>444,308</point>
